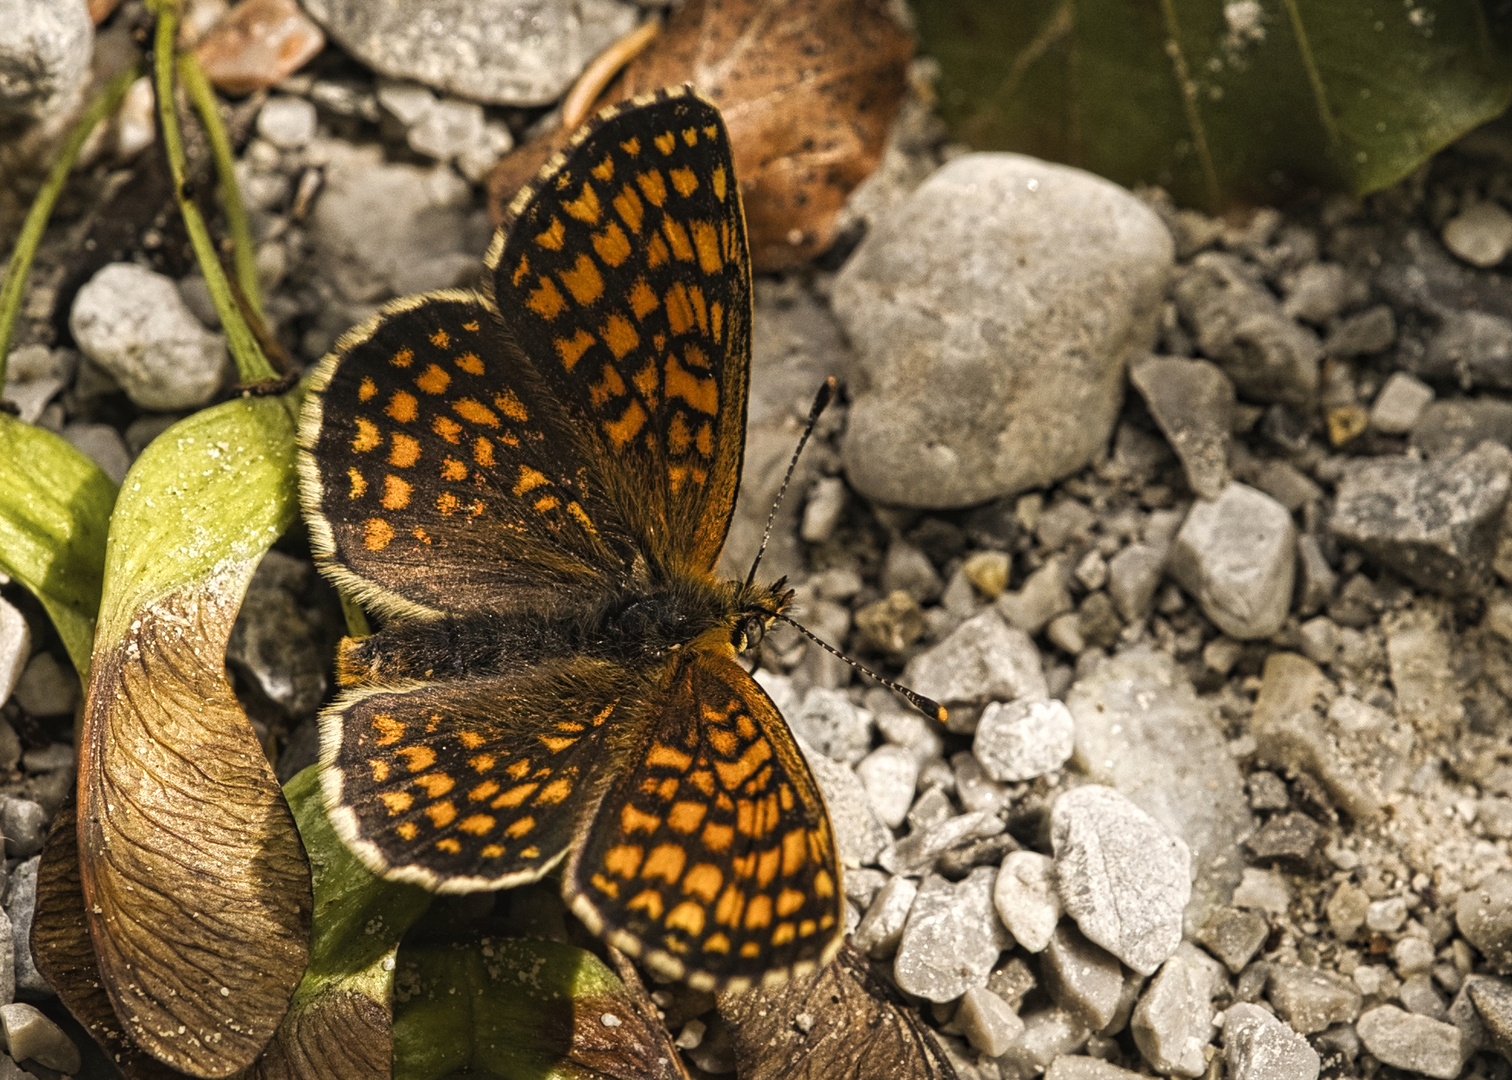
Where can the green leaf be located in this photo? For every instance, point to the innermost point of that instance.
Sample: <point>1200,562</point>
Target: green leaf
<point>1220,101</point>
<point>54,510</point>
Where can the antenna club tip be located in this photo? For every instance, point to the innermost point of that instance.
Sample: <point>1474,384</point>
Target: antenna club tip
<point>941,713</point>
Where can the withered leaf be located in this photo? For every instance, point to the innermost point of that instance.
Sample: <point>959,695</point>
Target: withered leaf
<point>64,953</point>
<point>840,1023</point>
<point>808,89</point>
<point>341,1035</point>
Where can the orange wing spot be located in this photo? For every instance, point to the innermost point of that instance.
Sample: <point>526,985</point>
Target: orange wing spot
<point>511,406</point>
<point>690,136</point>
<point>470,363</point>
<point>403,406</point>
<point>630,208</point>
<point>665,861</point>
<point>789,901</point>
<point>647,380</point>
<point>546,301</point>
<point>785,793</point>
<point>679,310</point>
<point>604,170</point>
<point>667,789</point>
<point>693,356</point>
<point>649,901</point>
<point>380,769</point>
<point>720,182</point>
<point>433,380</point>
<point>627,427</point>
<point>529,480</point>
<point>611,245</point>
<point>493,851</point>
<point>766,866</point>
<point>656,252</point>
<point>396,493</point>
<point>684,181</point>
<point>476,824</point>
<point>486,790</point>
<point>582,518</point>
<point>724,742</point>
<point>609,387</point>
<point>441,814</point>
<point>701,394</point>
<point>555,791</point>
<point>677,236</point>
<point>631,146</point>
<point>404,451</point>
<point>547,503</point>
<point>583,281</point>
<point>367,436</point>
<point>620,335</point>
<point>678,475</point>
<point>783,934</point>
<point>483,452</point>
<point>416,758</point>
<point>470,739</point>
<point>794,851</point>
<point>376,534</point>
<point>731,904</point>
<point>705,440</point>
<point>556,745</point>
<point>703,881</point>
<point>404,357</point>
<point>717,837</point>
<point>389,730</point>
<point>678,436</point>
<point>572,350</point>
<point>441,339</point>
<point>473,326</point>
<point>701,313</point>
<point>519,768</point>
<point>515,796</point>
<point>435,784</point>
<point>358,482</point>
<point>665,142</point>
<point>653,186</point>
<point>758,914</point>
<point>366,389</point>
<point>729,239</point>
<point>642,299</point>
<point>605,886</point>
<point>716,321</point>
<point>717,943</point>
<point>520,826</point>
<point>551,239</point>
<point>686,816</point>
<point>807,927</point>
<point>824,885</point>
<point>407,831</point>
<point>633,820</point>
<point>447,428</point>
<point>624,859</point>
<point>447,504</point>
<point>703,780</point>
<point>586,206</point>
<point>475,412</point>
<point>686,916</point>
<point>397,802</point>
<point>520,272</point>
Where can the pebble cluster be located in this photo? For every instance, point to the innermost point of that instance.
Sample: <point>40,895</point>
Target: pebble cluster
<point>1196,526</point>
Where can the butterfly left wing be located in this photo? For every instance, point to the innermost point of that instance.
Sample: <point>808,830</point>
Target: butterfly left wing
<point>622,271</point>
<point>711,857</point>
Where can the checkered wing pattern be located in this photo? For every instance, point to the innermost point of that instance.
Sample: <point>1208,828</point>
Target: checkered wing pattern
<point>711,856</point>
<point>622,271</point>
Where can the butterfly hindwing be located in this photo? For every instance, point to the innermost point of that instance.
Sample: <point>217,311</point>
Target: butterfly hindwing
<point>623,273</point>
<point>711,856</point>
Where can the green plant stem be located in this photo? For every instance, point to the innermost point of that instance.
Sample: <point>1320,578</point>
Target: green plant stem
<point>14,287</point>
<point>243,260</point>
<point>251,365</point>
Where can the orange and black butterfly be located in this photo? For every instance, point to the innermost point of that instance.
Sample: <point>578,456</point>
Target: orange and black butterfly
<point>532,483</point>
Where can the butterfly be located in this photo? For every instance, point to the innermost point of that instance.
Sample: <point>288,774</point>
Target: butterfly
<point>531,483</point>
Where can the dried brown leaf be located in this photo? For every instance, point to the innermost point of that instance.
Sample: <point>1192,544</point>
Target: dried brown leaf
<point>195,881</point>
<point>342,1035</point>
<point>841,1023</point>
<point>808,89</point>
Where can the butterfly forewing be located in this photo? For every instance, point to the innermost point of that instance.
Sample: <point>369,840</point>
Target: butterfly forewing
<point>711,856</point>
<point>622,272</point>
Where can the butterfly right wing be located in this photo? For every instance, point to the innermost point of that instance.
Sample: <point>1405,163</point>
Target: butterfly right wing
<point>439,476</point>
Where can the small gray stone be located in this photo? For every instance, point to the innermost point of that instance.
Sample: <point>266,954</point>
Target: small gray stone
<point>1234,936</point>
<point>908,569</point>
<point>1024,739</point>
<point>889,774</point>
<point>15,648</point>
<point>497,53</point>
<point>1492,999</point>
<point>44,58</point>
<point>1347,909</point>
<point>1433,522</point>
<point>993,311</point>
<point>1290,838</point>
<point>984,659</point>
<point>859,836</point>
<point>1267,791</point>
<point>974,789</point>
<point>917,851</point>
<point>833,725</point>
<point>1027,899</point>
<point>1317,577</point>
<point>931,808</point>
<point>1042,597</point>
<point>7,961</point>
<point>1474,348</point>
<point>1257,1046</point>
<point>987,1021</point>
<point>1263,890</point>
<point>952,938</point>
<point>24,826</point>
<point>1236,556</point>
<point>1075,1067</point>
<point>1449,428</point>
<point>286,122</point>
<point>1370,331</point>
<point>1420,997</point>
<point>20,905</point>
<point>1318,292</point>
<point>1416,1043</point>
<point>882,926</point>
<point>1049,1034</point>
<point>1387,915</point>
<point>1133,576</point>
<point>1122,877</point>
<point>1484,916</point>
<point>1082,978</point>
<point>823,509</point>
<point>892,624</point>
<point>447,130</point>
<point>1193,402</point>
<point>1481,234</point>
<point>47,688</point>
<point>35,375</point>
<point>1311,1000</point>
<point>1173,1021</point>
<point>31,1036</point>
<point>103,445</point>
<point>135,325</point>
<point>1399,404</point>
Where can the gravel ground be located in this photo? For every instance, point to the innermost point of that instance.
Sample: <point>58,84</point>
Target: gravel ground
<point>1195,524</point>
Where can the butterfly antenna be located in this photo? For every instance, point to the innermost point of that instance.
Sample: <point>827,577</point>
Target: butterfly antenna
<point>822,399</point>
<point>928,706</point>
